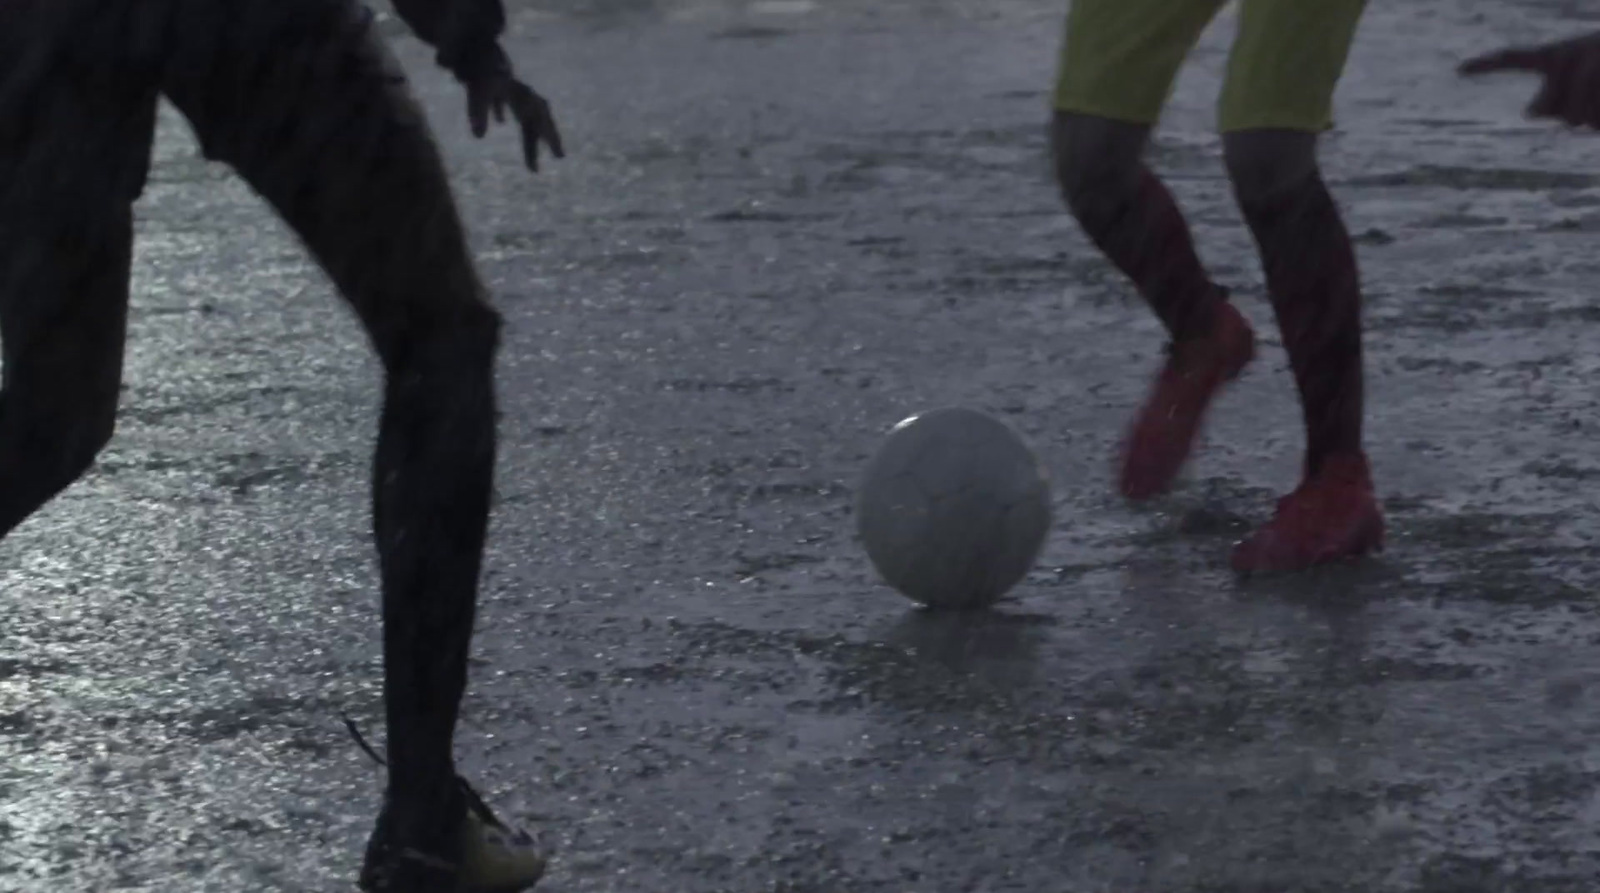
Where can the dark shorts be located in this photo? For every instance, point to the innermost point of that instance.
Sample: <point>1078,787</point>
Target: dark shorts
<point>80,80</point>
<point>300,97</point>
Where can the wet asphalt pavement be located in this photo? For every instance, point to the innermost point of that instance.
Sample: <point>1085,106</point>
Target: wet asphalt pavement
<point>783,227</point>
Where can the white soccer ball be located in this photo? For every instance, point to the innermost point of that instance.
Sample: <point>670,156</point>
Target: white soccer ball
<point>953,509</point>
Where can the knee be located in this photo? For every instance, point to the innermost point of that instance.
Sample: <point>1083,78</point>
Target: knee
<point>1263,164</point>
<point>475,328</point>
<point>439,393</point>
<point>1097,161</point>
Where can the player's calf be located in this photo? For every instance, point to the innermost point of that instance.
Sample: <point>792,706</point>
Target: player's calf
<point>1130,216</point>
<point>1133,219</point>
<point>1312,279</point>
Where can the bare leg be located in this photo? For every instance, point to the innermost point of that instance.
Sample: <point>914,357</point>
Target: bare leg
<point>299,98</point>
<point>1311,274</point>
<point>1131,217</point>
<point>63,314</point>
<point>75,127</point>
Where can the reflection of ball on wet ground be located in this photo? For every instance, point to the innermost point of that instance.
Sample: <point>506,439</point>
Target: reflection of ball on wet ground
<point>953,508</point>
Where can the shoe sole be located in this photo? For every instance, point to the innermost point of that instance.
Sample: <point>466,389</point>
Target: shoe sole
<point>517,887</point>
<point>1368,541</point>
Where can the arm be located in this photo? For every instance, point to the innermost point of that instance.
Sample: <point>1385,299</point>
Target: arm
<point>466,37</point>
<point>465,34</point>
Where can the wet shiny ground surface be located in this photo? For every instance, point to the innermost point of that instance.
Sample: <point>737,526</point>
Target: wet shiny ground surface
<point>783,227</point>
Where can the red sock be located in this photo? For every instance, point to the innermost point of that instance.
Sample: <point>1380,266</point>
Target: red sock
<point>1311,273</point>
<point>1143,233</point>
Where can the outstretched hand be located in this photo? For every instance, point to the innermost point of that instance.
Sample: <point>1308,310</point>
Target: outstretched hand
<point>494,93</point>
<point>1571,73</point>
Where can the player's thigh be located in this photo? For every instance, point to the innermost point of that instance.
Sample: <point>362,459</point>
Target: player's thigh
<point>1119,58</point>
<point>77,116</point>
<point>302,99</point>
<point>1286,63</point>
<point>64,308</point>
<point>77,100</point>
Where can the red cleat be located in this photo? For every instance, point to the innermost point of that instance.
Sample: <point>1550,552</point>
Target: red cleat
<point>1331,517</point>
<point>1163,433</point>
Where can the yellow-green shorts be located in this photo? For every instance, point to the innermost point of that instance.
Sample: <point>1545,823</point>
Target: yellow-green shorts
<point>1120,58</point>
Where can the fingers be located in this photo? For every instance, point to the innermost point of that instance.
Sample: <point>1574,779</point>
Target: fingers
<point>1547,104</point>
<point>538,124</point>
<point>553,136</point>
<point>547,121</point>
<point>1570,94</point>
<point>1585,97</point>
<point>478,110</point>
<point>1570,70</point>
<point>1509,59</point>
<point>494,97</point>
<point>532,132</point>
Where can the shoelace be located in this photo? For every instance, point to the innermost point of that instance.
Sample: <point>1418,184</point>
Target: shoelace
<point>474,802</point>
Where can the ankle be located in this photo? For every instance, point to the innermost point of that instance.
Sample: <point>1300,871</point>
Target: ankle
<point>1204,319</point>
<point>416,811</point>
<point>1346,465</point>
